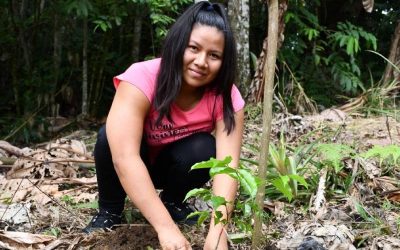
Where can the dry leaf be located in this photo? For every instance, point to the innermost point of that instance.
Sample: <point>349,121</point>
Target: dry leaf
<point>25,238</point>
<point>17,213</point>
<point>370,167</point>
<point>320,196</point>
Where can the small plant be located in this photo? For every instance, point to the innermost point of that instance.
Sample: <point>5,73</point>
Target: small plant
<point>53,231</point>
<point>68,200</point>
<point>245,204</point>
<point>284,170</point>
<point>389,154</point>
<point>365,214</point>
<point>92,204</point>
<point>332,154</point>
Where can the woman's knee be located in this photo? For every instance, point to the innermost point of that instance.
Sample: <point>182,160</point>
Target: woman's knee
<point>197,147</point>
<point>204,144</point>
<point>101,148</point>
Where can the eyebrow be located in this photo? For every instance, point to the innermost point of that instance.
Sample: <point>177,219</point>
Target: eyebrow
<point>199,45</point>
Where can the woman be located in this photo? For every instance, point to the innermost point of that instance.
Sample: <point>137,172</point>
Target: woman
<point>160,124</point>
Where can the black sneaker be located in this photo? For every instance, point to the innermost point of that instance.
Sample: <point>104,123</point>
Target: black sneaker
<point>102,220</point>
<point>179,213</point>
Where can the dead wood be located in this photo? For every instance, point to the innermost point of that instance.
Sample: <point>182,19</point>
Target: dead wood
<point>12,150</point>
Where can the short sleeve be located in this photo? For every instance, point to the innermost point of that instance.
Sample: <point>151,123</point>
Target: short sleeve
<point>143,75</point>
<point>237,103</point>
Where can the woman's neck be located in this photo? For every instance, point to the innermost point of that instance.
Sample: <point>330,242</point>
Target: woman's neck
<point>189,97</point>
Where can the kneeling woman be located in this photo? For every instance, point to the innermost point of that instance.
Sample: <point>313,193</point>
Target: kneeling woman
<point>160,124</point>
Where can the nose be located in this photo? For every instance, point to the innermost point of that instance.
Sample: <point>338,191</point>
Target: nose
<point>201,60</point>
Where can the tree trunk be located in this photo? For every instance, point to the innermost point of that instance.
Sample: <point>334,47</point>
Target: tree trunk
<point>18,15</point>
<point>255,93</point>
<point>84,69</point>
<point>17,10</point>
<point>56,61</point>
<point>238,11</point>
<point>137,34</point>
<point>394,57</point>
<point>269,73</point>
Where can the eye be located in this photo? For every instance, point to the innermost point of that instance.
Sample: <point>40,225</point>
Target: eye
<point>215,56</point>
<point>193,48</point>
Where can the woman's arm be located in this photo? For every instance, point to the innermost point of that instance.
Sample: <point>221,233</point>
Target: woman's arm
<point>223,185</point>
<point>124,133</point>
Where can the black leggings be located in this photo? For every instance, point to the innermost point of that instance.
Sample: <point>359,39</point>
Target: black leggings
<point>170,170</point>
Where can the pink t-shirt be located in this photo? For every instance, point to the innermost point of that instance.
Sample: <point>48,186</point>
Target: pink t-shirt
<point>199,119</point>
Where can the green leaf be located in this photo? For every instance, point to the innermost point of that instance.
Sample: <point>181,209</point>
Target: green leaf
<point>93,204</point>
<point>350,46</point>
<point>283,187</point>
<point>200,192</point>
<point>218,201</point>
<point>247,209</point>
<point>212,163</point>
<point>389,152</point>
<point>217,218</point>
<point>223,170</point>
<point>248,182</point>
<point>356,45</point>
<point>299,179</point>
<point>332,154</point>
<point>203,215</point>
<point>103,26</point>
<point>363,213</point>
<point>343,40</point>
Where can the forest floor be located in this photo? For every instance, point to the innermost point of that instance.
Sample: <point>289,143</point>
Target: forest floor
<point>48,193</point>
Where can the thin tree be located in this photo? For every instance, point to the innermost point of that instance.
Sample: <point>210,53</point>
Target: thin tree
<point>256,88</point>
<point>394,57</point>
<point>85,68</point>
<point>269,73</point>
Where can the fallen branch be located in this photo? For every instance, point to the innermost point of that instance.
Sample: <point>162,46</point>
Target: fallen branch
<point>13,150</point>
<point>71,151</point>
<point>67,160</point>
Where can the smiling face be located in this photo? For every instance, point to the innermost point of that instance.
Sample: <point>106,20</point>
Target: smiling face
<point>202,59</point>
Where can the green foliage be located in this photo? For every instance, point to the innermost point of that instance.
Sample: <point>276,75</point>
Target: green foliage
<point>365,214</point>
<point>390,153</point>
<point>326,55</point>
<point>43,73</point>
<point>68,199</point>
<point>245,205</point>
<point>81,8</point>
<point>248,182</point>
<point>348,36</point>
<point>284,170</point>
<point>93,205</point>
<point>346,71</point>
<point>161,12</point>
<point>53,231</point>
<point>332,154</point>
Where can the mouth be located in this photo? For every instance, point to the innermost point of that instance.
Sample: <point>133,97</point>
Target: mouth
<point>197,73</point>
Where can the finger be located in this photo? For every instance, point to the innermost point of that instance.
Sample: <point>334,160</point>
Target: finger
<point>185,247</point>
<point>168,247</point>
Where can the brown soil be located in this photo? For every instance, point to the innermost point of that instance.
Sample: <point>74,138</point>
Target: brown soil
<point>129,237</point>
<point>288,220</point>
<point>137,236</point>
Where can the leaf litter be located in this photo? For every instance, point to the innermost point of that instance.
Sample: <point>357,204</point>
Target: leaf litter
<point>48,193</point>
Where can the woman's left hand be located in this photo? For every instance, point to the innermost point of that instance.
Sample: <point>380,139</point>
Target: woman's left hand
<point>216,239</point>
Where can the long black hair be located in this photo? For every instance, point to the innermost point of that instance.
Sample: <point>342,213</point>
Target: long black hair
<point>169,79</point>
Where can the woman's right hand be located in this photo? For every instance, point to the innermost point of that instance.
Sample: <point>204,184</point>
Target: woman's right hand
<point>173,239</point>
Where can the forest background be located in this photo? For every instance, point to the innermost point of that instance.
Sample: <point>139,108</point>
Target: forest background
<point>58,58</point>
<point>57,62</point>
